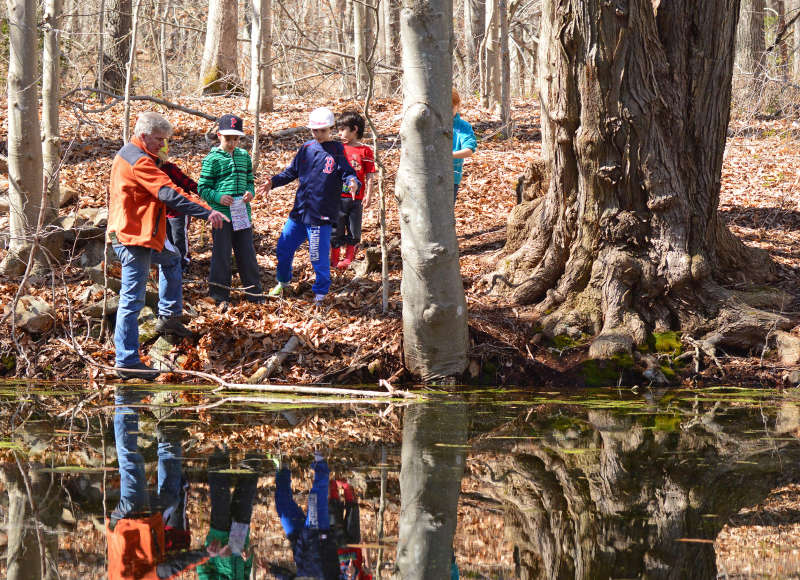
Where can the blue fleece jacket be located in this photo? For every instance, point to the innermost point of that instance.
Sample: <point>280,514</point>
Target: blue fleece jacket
<point>463,138</point>
<point>321,168</point>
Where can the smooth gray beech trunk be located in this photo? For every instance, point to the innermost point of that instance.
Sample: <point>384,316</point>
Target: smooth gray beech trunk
<point>474,13</point>
<point>25,170</point>
<point>492,68</point>
<point>433,454</point>
<point>795,7</point>
<point>219,71</point>
<point>361,20</point>
<point>262,29</point>
<point>434,308</point>
<point>51,142</point>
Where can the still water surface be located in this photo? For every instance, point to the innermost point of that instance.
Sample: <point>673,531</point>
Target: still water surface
<point>486,484</point>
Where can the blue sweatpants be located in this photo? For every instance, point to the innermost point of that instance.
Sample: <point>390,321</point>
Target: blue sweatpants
<point>319,249</point>
<point>291,515</point>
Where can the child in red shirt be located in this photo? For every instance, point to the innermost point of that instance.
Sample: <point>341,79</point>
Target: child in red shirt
<point>361,158</point>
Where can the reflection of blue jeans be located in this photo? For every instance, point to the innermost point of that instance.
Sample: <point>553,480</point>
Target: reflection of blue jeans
<point>292,518</point>
<point>134,497</point>
<point>319,249</point>
<point>136,262</point>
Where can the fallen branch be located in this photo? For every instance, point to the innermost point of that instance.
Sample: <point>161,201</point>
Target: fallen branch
<point>115,98</point>
<point>274,362</point>
<point>223,384</point>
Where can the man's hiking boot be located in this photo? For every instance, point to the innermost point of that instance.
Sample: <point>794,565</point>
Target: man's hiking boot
<point>172,325</point>
<point>138,371</point>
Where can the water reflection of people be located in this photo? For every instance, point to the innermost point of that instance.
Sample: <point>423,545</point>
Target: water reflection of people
<point>147,533</point>
<point>318,548</point>
<point>230,517</point>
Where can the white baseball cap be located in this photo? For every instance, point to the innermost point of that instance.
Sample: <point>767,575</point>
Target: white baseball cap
<point>321,118</point>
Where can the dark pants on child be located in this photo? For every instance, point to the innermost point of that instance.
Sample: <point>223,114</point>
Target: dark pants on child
<point>348,226</point>
<point>219,277</point>
<point>225,508</point>
<point>176,233</point>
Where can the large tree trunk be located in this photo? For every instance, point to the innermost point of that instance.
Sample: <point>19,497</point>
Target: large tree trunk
<point>119,19</point>
<point>25,170</point>
<point>474,13</point>
<point>262,30</point>
<point>627,238</point>
<point>219,72</point>
<point>434,439</point>
<point>434,307</point>
<point>795,8</point>
<point>600,495</point>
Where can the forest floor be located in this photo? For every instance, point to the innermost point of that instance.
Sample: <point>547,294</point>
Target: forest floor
<point>353,340</point>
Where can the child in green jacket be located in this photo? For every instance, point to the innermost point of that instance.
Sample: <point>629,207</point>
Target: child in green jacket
<point>226,183</point>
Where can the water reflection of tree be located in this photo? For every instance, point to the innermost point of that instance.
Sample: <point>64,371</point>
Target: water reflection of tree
<point>599,494</point>
<point>433,453</point>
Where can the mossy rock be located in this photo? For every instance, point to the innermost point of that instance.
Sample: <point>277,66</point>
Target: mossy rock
<point>607,372</point>
<point>667,342</point>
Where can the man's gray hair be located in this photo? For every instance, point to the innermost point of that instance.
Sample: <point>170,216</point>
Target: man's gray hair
<point>150,123</point>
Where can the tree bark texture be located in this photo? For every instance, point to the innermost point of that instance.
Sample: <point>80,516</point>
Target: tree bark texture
<point>750,42</point>
<point>474,14</point>
<point>119,19</point>
<point>51,67</point>
<point>505,70</point>
<point>388,42</point>
<point>219,71</point>
<point>262,29</point>
<point>434,307</point>
<point>361,20</point>
<point>492,68</point>
<point>599,494</point>
<point>434,440</point>
<point>627,238</point>
<point>25,170</point>
<point>795,8</point>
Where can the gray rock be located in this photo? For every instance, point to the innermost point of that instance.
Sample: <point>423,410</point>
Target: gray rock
<point>66,194</point>
<point>101,218</point>
<point>788,346</point>
<point>788,419</point>
<point>147,324</point>
<point>793,377</point>
<point>33,314</point>
<point>159,354</point>
<point>96,310</point>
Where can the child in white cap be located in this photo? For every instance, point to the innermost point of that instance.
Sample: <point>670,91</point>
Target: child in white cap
<point>321,167</point>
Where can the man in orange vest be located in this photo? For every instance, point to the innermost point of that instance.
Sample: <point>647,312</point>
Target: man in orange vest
<point>148,535</point>
<point>140,194</point>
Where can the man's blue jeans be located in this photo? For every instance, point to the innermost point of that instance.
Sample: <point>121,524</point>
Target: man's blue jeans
<point>134,497</point>
<point>136,262</point>
<point>319,249</point>
<point>291,515</point>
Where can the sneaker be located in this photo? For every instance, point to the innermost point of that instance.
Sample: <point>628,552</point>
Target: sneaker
<point>319,299</point>
<point>277,290</point>
<point>172,325</point>
<point>138,371</point>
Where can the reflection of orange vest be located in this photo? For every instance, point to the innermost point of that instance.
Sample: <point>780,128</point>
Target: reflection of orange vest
<point>135,548</point>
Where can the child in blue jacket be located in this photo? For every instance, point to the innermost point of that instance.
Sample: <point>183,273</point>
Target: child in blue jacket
<point>321,168</point>
<point>464,143</point>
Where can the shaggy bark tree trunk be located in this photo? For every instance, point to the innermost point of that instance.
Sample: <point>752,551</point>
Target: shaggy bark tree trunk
<point>474,13</point>
<point>434,439</point>
<point>627,238</point>
<point>434,307</point>
<point>51,142</point>
<point>119,19</point>
<point>262,29</point>
<point>611,497</point>
<point>750,39</point>
<point>219,71</point>
<point>25,170</point>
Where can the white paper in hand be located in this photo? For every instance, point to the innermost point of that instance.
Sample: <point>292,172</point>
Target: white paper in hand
<point>239,218</point>
<point>237,537</point>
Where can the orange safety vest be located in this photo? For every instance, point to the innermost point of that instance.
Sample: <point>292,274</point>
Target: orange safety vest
<point>135,214</point>
<point>135,548</point>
